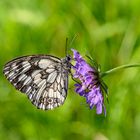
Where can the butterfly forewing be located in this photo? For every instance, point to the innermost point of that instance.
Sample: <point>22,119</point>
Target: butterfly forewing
<point>43,78</point>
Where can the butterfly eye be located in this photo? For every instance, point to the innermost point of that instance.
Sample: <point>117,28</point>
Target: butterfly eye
<point>68,58</point>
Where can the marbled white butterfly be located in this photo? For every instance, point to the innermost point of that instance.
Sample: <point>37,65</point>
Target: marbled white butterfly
<point>43,78</point>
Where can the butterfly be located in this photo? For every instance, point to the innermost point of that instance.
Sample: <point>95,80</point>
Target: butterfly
<point>43,78</point>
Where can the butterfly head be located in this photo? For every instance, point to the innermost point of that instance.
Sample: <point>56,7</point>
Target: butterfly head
<point>68,58</point>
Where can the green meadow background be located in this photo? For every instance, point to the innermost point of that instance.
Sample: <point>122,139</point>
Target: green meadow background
<point>109,31</point>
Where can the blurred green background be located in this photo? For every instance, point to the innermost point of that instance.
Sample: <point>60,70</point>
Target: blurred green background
<point>108,30</point>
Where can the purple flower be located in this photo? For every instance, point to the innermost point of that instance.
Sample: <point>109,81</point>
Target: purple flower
<point>90,86</point>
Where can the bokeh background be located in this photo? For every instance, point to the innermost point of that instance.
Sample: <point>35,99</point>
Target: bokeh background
<point>107,30</point>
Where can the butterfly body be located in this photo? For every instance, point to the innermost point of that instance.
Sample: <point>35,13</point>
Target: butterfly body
<point>43,78</point>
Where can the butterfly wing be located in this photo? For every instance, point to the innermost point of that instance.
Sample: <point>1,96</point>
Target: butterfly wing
<point>41,77</point>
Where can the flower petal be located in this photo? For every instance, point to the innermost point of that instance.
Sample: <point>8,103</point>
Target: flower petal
<point>99,108</point>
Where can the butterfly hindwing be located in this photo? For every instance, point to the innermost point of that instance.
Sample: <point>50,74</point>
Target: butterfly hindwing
<point>41,77</point>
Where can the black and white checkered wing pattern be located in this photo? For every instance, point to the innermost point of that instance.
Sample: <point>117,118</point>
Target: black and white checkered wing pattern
<point>41,77</point>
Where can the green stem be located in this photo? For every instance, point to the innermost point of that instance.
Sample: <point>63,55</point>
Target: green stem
<point>118,68</point>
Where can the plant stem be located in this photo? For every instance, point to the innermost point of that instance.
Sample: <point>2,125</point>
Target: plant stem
<point>119,68</point>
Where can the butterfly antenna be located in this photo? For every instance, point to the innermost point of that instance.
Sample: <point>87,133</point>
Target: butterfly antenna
<point>73,39</point>
<point>66,46</point>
